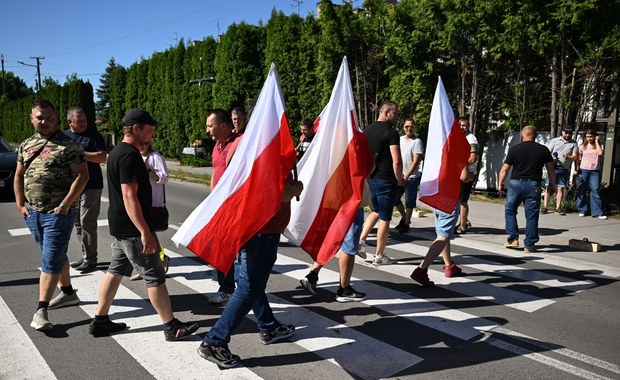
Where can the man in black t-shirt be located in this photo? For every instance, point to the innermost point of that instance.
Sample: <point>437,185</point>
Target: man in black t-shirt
<point>527,160</point>
<point>388,174</point>
<point>134,242</point>
<point>89,202</point>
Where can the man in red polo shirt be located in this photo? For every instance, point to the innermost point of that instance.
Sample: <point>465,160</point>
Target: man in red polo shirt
<point>220,127</point>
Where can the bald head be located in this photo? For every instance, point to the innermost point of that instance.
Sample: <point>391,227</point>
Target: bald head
<point>528,133</point>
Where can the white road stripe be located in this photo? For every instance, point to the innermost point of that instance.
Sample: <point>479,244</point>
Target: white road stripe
<point>19,232</point>
<point>25,361</point>
<point>315,333</point>
<point>531,276</point>
<point>145,340</point>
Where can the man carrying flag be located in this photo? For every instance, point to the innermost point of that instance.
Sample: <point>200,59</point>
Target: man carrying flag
<point>446,160</point>
<point>246,213</point>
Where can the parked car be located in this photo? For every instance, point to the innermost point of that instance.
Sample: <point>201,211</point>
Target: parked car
<point>8,162</point>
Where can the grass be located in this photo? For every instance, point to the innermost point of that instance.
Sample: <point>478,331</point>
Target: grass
<point>182,175</point>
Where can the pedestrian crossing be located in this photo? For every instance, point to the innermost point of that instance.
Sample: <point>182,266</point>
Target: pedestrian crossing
<point>345,348</point>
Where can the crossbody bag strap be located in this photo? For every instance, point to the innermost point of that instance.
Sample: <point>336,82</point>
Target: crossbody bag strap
<point>37,153</point>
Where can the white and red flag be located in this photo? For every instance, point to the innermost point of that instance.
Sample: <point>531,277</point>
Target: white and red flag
<point>333,171</point>
<point>447,152</point>
<point>249,193</point>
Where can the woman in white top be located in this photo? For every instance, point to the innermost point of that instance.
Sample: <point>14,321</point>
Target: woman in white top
<point>590,175</point>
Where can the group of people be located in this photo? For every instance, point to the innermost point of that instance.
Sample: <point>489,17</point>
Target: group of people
<point>58,184</point>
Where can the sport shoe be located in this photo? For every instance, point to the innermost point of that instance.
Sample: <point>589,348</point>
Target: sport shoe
<point>309,282</point>
<point>421,275</point>
<point>40,321</point>
<point>63,300</point>
<point>582,215</point>
<point>530,250</point>
<point>400,224</point>
<point>180,330</point>
<point>602,217</point>
<point>87,267</point>
<point>349,294</point>
<point>105,328</point>
<point>219,298</point>
<point>543,210</point>
<point>404,229</point>
<point>559,212</point>
<point>452,270</point>
<point>460,231</point>
<point>75,264</point>
<point>279,333</point>
<point>362,251</point>
<point>219,355</point>
<point>383,260</point>
<point>511,244</point>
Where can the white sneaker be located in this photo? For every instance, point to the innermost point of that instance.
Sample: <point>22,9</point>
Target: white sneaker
<point>220,297</point>
<point>383,260</point>
<point>40,321</point>
<point>582,215</point>
<point>603,217</point>
<point>63,300</point>
<point>361,252</point>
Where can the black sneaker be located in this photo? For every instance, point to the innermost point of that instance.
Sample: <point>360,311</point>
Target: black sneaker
<point>86,267</point>
<point>180,330</point>
<point>99,329</point>
<point>349,294</point>
<point>279,333</point>
<point>219,355</point>
<point>75,264</point>
<point>404,229</point>
<point>309,282</point>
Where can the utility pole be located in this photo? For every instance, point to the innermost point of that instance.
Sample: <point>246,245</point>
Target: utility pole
<point>3,77</point>
<point>298,5</point>
<point>38,66</point>
<point>202,77</point>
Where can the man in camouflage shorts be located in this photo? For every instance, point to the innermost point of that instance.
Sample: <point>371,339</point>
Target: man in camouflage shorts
<point>50,176</point>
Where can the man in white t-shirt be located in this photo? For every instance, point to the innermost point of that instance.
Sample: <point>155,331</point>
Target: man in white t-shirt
<point>411,151</point>
<point>472,167</point>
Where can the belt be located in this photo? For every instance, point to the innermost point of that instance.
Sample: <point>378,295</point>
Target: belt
<point>525,179</point>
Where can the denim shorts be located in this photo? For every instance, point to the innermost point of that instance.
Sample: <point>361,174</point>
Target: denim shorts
<point>351,243</point>
<point>382,194</point>
<point>445,223</point>
<point>52,233</point>
<point>561,178</point>
<point>127,252</point>
<point>410,191</point>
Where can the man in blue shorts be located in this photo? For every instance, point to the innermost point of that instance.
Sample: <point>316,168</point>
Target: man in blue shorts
<point>388,174</point>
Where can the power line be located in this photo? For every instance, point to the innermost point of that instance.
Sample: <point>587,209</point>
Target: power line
<point>38,66</point>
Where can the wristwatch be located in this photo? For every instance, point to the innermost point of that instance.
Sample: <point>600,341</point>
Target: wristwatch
<point>64,207</point>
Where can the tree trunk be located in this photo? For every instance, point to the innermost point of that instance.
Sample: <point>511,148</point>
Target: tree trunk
<point>473,107</point>
<point>554,93</point>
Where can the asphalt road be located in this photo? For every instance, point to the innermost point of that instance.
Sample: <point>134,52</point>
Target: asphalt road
<point>543,316</point>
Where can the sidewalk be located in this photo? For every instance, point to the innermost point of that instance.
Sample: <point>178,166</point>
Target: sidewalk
<point>176,165</point>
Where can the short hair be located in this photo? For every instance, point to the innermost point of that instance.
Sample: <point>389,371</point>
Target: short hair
<point>42,104</point>
<point>73,110</point>
<point>221,116</point>
<point>308,123</point>
<point>387,104</point>
<point>409,119</point>
<point>529,130</point>
<point>238,110</point>
<point>464,117</point>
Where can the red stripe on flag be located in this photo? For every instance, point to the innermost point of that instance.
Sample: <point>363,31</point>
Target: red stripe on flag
<point>455,154</point>
<point>249,208</point>
<point>340,201</point>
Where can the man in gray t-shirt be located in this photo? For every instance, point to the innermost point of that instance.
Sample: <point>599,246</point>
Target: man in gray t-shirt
<point>564,151</point>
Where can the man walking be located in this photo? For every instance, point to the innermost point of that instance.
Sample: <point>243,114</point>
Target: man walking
<point>89,201</point>
<point>220,127</point>
<point>134,242</point>
<point>411,151</point>
<point>467,182</point>
<point>527,160</point>
<point>564,151</point>
<point>388,174</point>
<point>50,175</point>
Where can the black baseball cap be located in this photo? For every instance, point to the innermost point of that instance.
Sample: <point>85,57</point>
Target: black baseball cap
<point>568,128</point>
<point>139,116</point>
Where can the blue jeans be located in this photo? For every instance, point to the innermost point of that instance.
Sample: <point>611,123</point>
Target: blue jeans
<point>382,194</point>
<point>252,269</point>
<point>591,179</point>
<point>528,192</point>
<point>351,243</point>
<point>52,233</point>
<point>226,281</point>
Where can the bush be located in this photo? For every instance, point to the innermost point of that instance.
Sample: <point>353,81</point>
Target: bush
<point>197,162</point>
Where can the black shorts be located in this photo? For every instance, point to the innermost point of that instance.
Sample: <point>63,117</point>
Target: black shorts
<point>465,191</point>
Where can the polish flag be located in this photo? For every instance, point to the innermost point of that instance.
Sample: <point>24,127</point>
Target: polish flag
<point>249,193</point>
<point>333,171</point>
<point>447,152</point>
